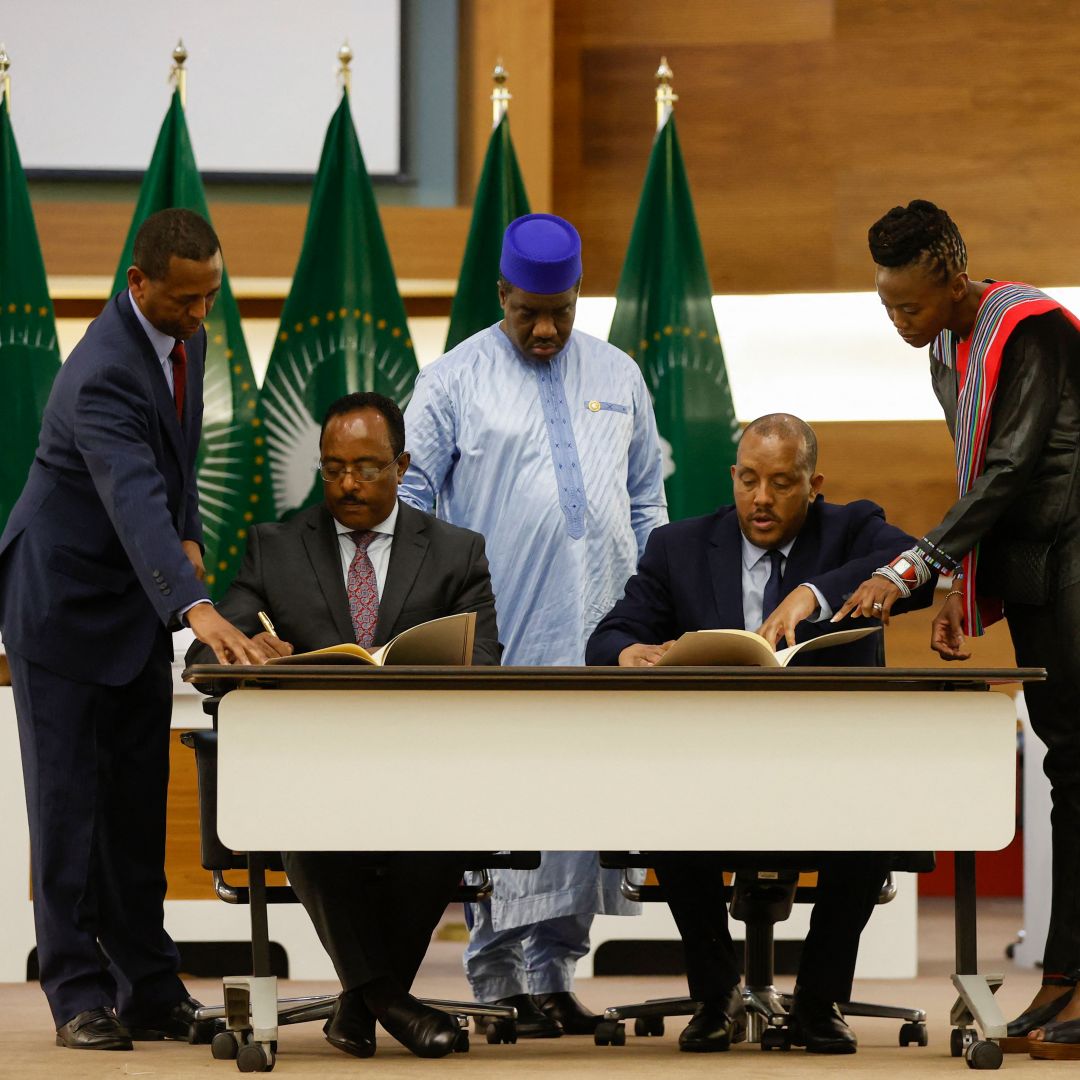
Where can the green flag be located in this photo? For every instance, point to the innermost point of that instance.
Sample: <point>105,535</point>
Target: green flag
<point>500,198</point>
<point>230,470</point>
<point>29,356</point>
<point>343,327</point>
<point>664,319</point>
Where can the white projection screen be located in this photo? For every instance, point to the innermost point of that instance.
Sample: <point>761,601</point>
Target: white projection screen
<point>89,81</point>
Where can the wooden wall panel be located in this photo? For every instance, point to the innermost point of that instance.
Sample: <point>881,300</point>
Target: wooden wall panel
<point>521,34</point>
<point>803,122</point>
<point>259,240</point>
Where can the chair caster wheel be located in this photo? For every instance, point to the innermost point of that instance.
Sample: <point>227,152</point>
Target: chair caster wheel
<point>610,1033</point>
<point>956,1040</point>
<point>254,1057</point>
<point>461,1043</point>
<point>224,1046</point>
<point>913,1033</point>
<point>649,1025</point>
<point>501,1031</point>
<point>983,1054</point>
<point>775,1038</point>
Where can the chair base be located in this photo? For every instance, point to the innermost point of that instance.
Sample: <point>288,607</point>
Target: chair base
<point>253,1013</point>
<point>767,1011</point>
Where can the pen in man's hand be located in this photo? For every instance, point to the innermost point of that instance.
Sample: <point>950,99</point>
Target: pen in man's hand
<point>268,626</point>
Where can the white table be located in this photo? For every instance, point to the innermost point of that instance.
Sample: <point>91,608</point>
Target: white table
<point>847,760</point>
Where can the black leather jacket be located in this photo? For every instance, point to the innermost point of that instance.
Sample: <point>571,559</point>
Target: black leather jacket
<point>1027,490</point>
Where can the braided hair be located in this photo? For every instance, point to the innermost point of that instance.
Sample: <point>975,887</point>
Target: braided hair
<point>919,233</point>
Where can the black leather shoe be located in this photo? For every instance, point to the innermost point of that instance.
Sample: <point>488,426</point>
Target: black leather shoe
<point>716,1025</point>
<point>818,1026</point>
<point>567,1011</point>
<point>425,1031</point>
<point>531,1022</point>
<point>352,1027</point>
<point>178,1023</point>
<point>94,1029</point>
<point>1036,1018</point>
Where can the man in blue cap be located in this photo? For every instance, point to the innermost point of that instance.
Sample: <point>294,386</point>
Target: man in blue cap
<point>543,439</point>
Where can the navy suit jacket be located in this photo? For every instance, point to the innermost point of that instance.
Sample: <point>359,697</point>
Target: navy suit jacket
<point>292,571</point>
<point>91,564</point>
<point>690,578</point>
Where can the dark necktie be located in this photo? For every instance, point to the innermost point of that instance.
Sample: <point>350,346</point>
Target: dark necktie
<point>178,356</point>
<point>770,599</point>
<point>363,590</point>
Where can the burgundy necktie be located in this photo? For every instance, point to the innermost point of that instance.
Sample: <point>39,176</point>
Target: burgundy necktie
<point>178,356</point>
<point>363,590</point>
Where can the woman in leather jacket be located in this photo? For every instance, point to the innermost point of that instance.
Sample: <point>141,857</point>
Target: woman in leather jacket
<point>1005,365</point>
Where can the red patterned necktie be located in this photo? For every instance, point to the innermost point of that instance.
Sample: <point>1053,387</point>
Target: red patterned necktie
<point>178,356</point>
<point>363,590</point>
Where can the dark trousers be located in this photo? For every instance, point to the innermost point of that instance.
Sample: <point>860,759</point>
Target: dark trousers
<point>96,769</point>
<point>1049,636</point>
<point>847,890</point>
<point>374,921</point>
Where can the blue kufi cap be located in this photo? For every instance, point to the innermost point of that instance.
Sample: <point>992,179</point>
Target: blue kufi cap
<point>541,253</point>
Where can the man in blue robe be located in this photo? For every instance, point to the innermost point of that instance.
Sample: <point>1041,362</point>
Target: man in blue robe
<point>543,439</point>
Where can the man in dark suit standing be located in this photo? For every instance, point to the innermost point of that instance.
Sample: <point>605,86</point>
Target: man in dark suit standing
<point>780,561</point>
<point>363,567</point>
<point>101,558</point>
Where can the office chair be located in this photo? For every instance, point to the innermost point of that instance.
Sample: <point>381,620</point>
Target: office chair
<point>760,899</point>
<point>251,1010</point>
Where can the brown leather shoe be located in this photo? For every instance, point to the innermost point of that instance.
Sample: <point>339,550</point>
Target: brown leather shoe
<point>94,1029</point>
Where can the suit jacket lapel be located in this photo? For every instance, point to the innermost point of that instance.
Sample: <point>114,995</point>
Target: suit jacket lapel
<point>407,553</point>
<point>324,551</point>
<point>166,406</point>
<point>725,569</point>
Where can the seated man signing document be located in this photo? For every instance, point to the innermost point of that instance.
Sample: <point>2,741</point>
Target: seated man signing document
<point>363,567</point>
<point>780,561</point>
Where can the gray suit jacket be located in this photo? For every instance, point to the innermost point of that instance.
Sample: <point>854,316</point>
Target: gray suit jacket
<point>292,571</point>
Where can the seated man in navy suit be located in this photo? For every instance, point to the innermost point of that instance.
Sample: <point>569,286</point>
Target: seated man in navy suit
<point>780,561</point>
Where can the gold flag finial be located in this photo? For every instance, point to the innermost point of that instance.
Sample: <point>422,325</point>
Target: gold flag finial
<point>5,78</point>
<point>177,74</point>
<point>345,56</point>
<point>665,95</point>
<point>500,96</point>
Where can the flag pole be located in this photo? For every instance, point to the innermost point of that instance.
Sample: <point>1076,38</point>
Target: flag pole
<point>177,74</point>
<point>500,96</point>
<point>5,78</point>
<point>345,56</point>
<point>665,95</point>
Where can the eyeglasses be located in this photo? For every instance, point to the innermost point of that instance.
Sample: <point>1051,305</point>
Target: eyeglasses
<point>361,474</point>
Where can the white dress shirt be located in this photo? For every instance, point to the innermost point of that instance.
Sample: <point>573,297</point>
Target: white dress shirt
<point>756,569</point>
<point>162,344</point>
<point>378,550</point>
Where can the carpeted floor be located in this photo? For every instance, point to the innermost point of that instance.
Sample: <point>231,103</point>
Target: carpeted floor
<point>27,1051</point>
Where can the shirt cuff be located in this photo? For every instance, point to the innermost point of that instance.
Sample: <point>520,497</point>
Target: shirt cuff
<point>824,607</point>
<point>181,614</point>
